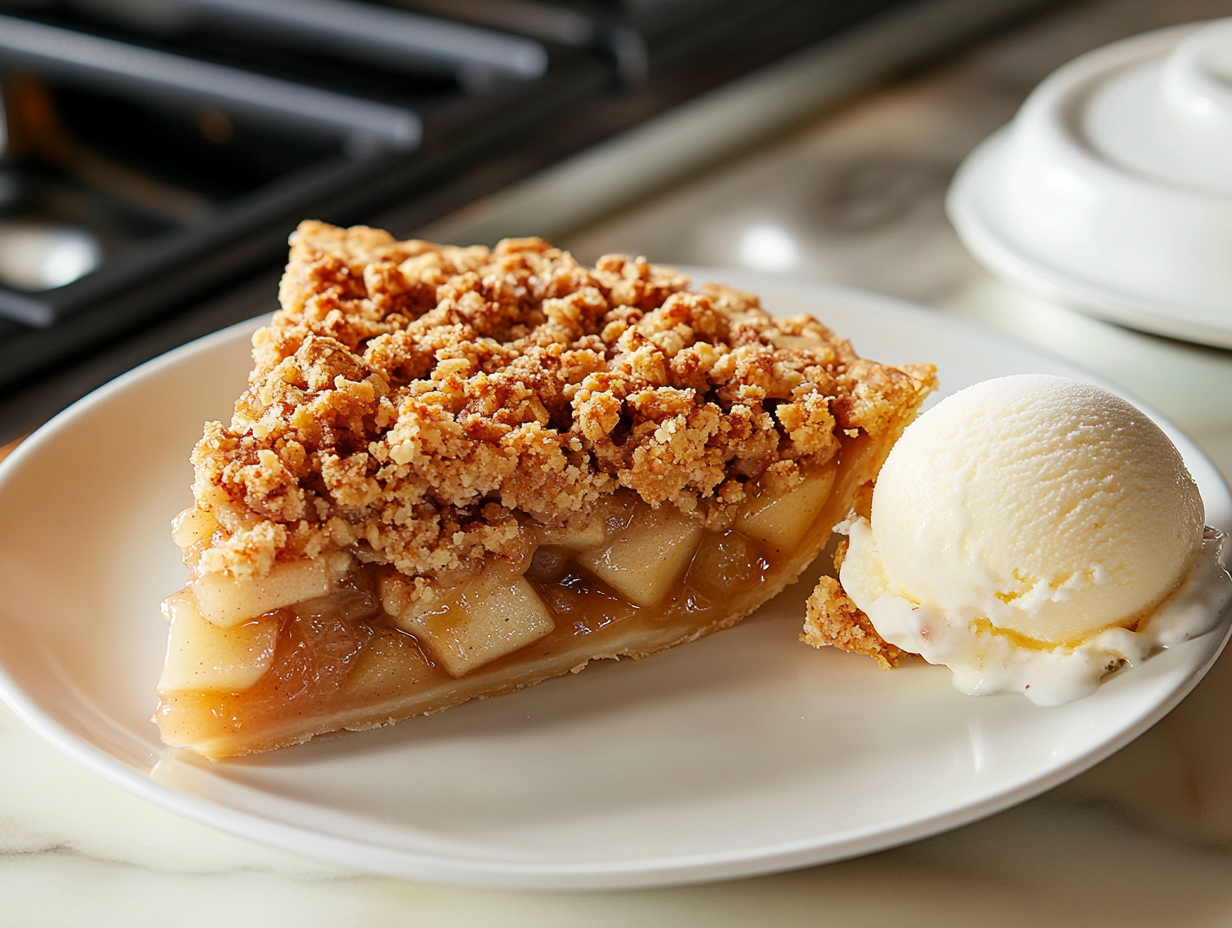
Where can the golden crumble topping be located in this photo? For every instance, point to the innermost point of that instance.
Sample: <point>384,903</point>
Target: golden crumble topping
<point>421,405</point>
<point>832,620</point>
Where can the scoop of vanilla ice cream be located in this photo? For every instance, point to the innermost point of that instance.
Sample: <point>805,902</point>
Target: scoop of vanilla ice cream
<point>1033,533</point>
<point>1050,507</point>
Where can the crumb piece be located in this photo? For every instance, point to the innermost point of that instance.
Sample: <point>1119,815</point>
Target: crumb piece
<point>833,620</point>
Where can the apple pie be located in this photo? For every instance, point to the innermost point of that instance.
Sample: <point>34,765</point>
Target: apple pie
<point>456,472</point>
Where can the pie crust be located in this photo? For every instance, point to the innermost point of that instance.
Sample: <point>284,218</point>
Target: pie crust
<point>459,471</point>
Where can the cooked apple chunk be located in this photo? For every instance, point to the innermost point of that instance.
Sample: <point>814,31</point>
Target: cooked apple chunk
<point>644,558</point>
<point>203,656</point>
<point>192,526</point>
<point>226,600</point>
<point>726,564</point>
<point>780,521</point>
<point>574,535</point>
<point>488,617</point>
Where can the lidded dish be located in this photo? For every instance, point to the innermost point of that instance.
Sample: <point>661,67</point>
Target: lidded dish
<point>1111,190</point>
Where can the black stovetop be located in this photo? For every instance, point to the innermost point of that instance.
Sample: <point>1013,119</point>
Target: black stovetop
<point>155,151</point>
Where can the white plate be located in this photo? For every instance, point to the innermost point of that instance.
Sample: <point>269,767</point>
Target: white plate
<point>743,753</point>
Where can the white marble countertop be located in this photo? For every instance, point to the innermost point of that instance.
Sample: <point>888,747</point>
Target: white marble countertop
<point>852,196</point>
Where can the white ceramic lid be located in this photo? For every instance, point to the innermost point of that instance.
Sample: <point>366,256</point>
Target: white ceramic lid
<point>1112,188</point>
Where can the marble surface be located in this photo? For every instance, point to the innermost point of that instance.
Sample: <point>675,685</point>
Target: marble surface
<point>852,196</point>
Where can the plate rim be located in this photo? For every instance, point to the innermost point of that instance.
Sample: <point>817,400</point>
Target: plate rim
<point>642,872</point>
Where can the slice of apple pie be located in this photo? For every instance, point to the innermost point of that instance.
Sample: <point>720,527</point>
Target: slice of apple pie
<point>459,471</point>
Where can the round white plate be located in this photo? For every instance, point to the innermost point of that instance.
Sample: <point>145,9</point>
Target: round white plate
<point>972,204</point>
<point>743,753</point>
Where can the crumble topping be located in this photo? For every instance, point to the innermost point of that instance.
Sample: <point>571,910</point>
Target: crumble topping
<point>420,404</point>
<point>833,620</point>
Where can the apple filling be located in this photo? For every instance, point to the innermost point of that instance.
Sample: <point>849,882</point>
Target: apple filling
<point>332,643</point>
